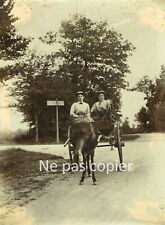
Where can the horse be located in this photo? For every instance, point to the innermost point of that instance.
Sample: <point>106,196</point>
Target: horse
<point>84,138</point>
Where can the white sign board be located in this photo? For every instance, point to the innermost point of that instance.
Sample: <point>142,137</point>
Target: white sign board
<point>55,103</point>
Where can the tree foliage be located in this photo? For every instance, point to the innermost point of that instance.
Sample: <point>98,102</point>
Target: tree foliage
<point>126,126</point>
<point>151,117</point>
<point>35,83</point>
<point>12,45</point>
<point>90,57</point>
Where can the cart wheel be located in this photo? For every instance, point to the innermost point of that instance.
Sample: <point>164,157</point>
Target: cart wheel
<point>71,153</point>
<point>119,143</point>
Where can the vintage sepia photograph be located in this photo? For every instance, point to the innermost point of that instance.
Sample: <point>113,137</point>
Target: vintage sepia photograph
<point>82,112</point>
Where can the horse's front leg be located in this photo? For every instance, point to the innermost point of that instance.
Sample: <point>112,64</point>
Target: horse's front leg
<point>88,165</point>
<point>93,168</point>
<point>84,165</point>
<point>78,149</point>
<point>76,156</point>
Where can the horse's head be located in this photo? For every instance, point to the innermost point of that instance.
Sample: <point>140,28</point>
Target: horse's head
<point>84,138</point>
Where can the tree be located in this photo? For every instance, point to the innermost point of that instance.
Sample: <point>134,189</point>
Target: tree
<point>12,45</point>
<point>151,117</point>
<point>160,104</point>
<point>125,126</point>
<point>93,57</point>
<point>143,118</point>
<point>35,83</point>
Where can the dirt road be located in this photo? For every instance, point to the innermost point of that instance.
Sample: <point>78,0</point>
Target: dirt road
<point>135,197</point>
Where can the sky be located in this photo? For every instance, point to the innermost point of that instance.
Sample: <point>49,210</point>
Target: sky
<point>142,22</point>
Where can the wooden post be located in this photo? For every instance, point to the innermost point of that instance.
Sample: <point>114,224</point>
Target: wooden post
<point>56,103</point>
<point>57,126</point>
<point>36,128</point>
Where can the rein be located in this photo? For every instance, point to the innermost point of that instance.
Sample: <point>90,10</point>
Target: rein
<point>108,110</point>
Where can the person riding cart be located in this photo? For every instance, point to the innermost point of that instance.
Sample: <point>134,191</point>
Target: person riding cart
<point>101,113</point>
<point>100,108</point>
<point>80,108</point>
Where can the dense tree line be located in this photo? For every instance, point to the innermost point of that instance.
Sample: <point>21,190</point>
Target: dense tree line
<point>90,57</point>
<point>35,83</point>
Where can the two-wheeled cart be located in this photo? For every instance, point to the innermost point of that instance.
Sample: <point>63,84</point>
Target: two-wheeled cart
<point>113,140</point>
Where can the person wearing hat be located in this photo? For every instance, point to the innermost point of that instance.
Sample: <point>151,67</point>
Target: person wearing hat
<point>99,109</point>
<point>80,108</point>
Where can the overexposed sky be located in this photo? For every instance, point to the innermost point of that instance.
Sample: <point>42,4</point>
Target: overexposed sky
<point>140,21</point>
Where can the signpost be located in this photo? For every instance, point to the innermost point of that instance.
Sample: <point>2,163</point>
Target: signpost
<point>57,104</point>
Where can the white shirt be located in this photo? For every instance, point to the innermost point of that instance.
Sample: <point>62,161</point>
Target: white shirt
<point>80,108</point>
